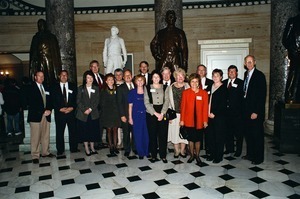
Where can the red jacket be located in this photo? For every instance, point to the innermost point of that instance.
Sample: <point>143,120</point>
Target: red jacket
<point>188,107</point>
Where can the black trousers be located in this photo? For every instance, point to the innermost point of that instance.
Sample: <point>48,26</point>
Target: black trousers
<point>234,130</point>
<point>158,136</point>
<point>61,120</point>
<point>254,134</point>
<point>216,132</point>
<point>127,144</point>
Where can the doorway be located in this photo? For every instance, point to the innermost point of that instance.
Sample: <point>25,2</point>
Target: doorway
<point>221,53</point>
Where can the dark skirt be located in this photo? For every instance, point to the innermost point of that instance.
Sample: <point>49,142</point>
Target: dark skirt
<point>195,135</point>
<point>89,131</point>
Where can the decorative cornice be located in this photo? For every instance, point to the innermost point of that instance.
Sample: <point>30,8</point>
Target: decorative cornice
<point>21,8</point>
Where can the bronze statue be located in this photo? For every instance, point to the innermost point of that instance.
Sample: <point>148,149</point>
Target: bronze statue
<point>45,54</point>
<point>169,46</point>
<point>291,41</point>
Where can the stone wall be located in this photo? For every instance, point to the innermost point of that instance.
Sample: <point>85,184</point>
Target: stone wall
<point>137,29</point>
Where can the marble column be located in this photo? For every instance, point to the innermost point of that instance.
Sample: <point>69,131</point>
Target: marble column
<point>281,11</point>
<point>161,7</point>
<point>60,21</point>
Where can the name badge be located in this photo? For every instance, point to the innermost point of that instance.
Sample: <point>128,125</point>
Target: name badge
<point>92,91</point>
<point>152,90</point>
<point>208,92</point>
<point>198,97</point>
<point>234,85</point>
<point>205,87</point>
<point>70,91</point>
<point>47,93</point>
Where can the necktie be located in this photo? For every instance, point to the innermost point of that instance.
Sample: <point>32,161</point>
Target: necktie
<point>230,84</point>
<point>99,82</point>
<point>246,83</point>
<point>43,95</point>
<point>65,94</point>
<point>130,87</point>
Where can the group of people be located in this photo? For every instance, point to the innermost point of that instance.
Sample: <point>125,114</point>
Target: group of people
<point>214,112</point>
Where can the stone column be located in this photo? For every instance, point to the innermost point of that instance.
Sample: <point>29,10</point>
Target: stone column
<point>281,11</point>
<point>60,22</point>
<point>161,7</point>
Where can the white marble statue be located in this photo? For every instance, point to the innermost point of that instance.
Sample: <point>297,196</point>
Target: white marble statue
<point>114,49</point>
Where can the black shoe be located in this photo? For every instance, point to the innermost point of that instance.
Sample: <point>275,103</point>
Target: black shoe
<point>237,154</point>
<point>126,154</point>
<point>116,151</point>
<point>35,161</point>
<point>141,157</point>
<point>88,154</point>
<point>50,155</point>
<point>245,157</point>
<point>256,162</point>
<point>94,152</point>
<point>60,153</point>
<point>183,156</point>
<point>226,152</point>
<point>198,160</point>
<point>209,158</point>
<point>154,160</point>
<point>164,160</point>
<point>217,161</point>
<point>191,159</point>
<point>75,151</point>
<point>176,156</point>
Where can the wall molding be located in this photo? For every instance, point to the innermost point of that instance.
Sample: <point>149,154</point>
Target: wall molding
<point>21,8</point>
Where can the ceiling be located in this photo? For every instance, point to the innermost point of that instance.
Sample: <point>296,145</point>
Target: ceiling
<point>100,3</point>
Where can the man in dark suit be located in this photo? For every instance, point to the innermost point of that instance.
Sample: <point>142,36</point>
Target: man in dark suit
<point>39,116</point>
<point>206,85</point>
<point>167,77</point>
<point>98,81</point>
<point>122,100</point>
<point>64,104</point>
<point>234,111</point>
<point>255,90</point>
<point>144,70</point>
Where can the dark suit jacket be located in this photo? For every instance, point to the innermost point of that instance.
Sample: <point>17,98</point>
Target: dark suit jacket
<point>122,99</point>
<point>58,99</point>
<point>95,81</point>
<point>84,102</point>
<point>235,97</point>
<point>208,84</point>
<point>256,95</point>
<point>34,101</point>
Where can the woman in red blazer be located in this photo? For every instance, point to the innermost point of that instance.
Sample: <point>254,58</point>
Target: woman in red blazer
<point>194,115</point>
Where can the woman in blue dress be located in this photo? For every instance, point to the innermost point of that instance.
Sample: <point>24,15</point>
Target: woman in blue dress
<point>137,116</point>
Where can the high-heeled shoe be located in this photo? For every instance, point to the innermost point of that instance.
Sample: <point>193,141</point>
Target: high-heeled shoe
<point>198,160</point>
<point>116,151</point>
<point>88,154</point>
<point>191,159</point>
<point>182,155</point>
<point>94,152</point>
<point>176,156</point>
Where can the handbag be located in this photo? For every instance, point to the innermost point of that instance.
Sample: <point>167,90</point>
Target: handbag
<point>171,114</point>
<point>183,133</point>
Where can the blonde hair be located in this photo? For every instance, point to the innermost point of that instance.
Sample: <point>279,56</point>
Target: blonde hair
<point>179,71</point>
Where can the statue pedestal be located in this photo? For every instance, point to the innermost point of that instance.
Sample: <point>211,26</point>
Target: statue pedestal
<point>26,141</point>
<point>287,127</point>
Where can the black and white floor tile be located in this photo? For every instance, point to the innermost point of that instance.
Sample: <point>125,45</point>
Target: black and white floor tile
<point>102,176</point>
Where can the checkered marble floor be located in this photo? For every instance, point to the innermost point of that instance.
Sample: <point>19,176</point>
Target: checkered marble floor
<point>103,176</point>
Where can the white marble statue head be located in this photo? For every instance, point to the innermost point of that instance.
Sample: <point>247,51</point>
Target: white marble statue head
<point>114,31</point>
